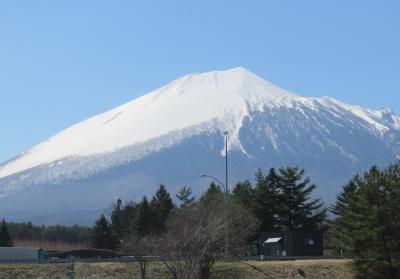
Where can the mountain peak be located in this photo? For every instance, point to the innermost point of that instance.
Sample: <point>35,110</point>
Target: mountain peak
<point>205,102</point>
<point>232,84</point>
<point>238,68</point>
<point>173,133</point>
<point>218,100</point>
<point>233,73</point>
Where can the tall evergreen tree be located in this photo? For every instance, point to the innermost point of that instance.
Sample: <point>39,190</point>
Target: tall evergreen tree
<point>343,202</point>
<point>161,206</point>
<point>5,238</point>
<point>260,201</point>
<point>243,193</point>
<point>102,235</point>
<point>185,196</point>
<point>266,203</point>
<point>214,192</point>
<point>117,219</point>
<point>346,197</point>
<point>273,181</point>
<point>370,221</point>
<point>298,209</point>
<point>142,222</point>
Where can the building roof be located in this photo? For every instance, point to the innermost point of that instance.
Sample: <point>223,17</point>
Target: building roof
<point>273,240</point>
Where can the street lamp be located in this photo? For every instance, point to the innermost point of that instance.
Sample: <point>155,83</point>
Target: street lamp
<point>226,162</point>
<point>216,179</point>
<point>226,194</point>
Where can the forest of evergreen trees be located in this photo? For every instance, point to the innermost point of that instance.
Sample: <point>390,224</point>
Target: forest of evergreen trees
<point>367,222</point>
<point>279,201</point>
<point>5,238</point>
<point>364,222</point>
<point>29,233</point>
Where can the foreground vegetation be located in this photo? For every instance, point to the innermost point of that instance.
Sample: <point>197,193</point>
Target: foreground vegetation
<point>188,237</point>
<point>367,222</point>
<point>290,269</point>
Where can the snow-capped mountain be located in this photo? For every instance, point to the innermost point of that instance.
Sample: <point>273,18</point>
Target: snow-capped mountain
<point>174,133</point>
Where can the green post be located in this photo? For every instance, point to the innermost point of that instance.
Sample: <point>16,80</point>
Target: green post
<point>70,267</point>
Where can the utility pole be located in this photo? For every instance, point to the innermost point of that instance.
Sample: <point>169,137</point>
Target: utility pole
<point>226,196</point>
<point>226,221</point>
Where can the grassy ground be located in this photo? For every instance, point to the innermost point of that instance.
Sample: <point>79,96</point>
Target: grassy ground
<point>318,269</point>
<point>291,269</point>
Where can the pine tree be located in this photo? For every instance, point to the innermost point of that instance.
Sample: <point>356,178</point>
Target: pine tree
<point>243,193</point>
<point>117,219</point>
<point>345,198</point>
<point>260,201</point>
<point>161,206</point>
<point>266,203</point>
<point>5,238</point>
<point>370,221</point>
<point>185,196</point>
<point>128,213</point>
<point>102,235</point>
<point>214,192</point>
<point>273,181</point>
<point>142,221</point>
<point>344,201</point>
<point>298,210</point>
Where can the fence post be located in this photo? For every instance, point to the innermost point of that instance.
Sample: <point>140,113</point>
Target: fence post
<point>70,267</point>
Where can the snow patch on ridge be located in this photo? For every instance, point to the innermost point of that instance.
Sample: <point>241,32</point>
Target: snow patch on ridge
<point>365,114</point>
<point>80,167</point>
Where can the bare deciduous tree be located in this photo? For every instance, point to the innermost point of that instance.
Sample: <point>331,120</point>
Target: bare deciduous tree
<point>139,247</point>
<point>194,239</point>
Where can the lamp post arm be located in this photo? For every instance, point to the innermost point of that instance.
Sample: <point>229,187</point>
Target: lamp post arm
<point>216,179</point>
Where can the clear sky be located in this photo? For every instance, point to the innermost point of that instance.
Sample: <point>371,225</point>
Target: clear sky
<point>64,61</point>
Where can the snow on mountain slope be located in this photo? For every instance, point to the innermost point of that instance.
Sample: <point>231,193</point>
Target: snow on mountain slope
<point>225,96</point>
<point>188,101</point>
<point>174,133</point>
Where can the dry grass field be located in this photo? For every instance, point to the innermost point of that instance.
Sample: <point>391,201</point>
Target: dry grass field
<point>329,269</point>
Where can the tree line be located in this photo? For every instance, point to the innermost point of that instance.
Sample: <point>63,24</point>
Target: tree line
<point>74,235</point>
<point>278,201</point>
<point>282,201</point>
<point>364,222</point>
<point>188,237</point>
<point>5,238</point>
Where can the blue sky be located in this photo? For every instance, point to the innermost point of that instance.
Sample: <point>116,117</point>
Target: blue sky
<point>64,61</point>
